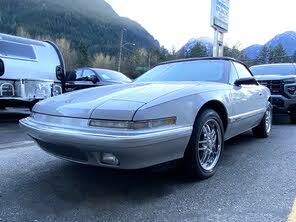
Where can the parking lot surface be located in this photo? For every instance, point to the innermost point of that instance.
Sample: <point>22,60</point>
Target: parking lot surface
<point>255,182</point>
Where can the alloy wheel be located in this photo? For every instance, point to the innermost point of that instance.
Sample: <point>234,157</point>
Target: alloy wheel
<point>209,145</point>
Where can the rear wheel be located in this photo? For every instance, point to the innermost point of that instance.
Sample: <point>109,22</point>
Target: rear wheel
<point>206,145</point>
<point>293,118</point>
<point>264,128</point>
<point>2,106</point>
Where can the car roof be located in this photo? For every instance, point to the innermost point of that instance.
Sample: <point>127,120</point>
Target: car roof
<point>275,64</point>
<point>204,58</point>
<point>98,69</point>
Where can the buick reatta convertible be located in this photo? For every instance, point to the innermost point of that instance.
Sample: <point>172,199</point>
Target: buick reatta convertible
<point>180,110</point>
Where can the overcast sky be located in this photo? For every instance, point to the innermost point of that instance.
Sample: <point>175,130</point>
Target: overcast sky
<point>174,22</point>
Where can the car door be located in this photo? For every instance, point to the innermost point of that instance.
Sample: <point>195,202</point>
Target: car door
<point>247,100</point>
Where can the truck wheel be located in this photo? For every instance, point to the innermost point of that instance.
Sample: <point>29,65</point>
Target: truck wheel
<point>292,118</point>
<point>206,146</point>
<point>264,128</point>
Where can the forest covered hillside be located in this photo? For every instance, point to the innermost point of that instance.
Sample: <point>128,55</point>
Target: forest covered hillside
<point>89,27</point>
<point>94,22</point>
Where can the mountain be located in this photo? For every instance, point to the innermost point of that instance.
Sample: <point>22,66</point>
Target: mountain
<point>287,39</point>
<point>252,51</point>
<point>205,41</point>
<point>94,22</point>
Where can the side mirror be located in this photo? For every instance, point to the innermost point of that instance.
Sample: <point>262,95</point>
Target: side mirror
<point>93,78</point>
<point>246,81</point>
<point>2,68</point>
<point>60,73</point>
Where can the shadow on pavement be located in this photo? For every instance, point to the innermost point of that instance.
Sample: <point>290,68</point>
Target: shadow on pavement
<point>11,117</point>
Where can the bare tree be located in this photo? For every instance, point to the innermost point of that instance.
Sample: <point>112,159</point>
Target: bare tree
<point>20,31</point>
<point>69,54</point>
<point>104,61</point>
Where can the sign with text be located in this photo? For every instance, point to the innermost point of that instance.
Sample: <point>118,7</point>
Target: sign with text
<point>220,15</point>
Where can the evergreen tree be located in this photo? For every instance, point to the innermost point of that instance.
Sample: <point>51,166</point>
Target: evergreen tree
<point>271,57</point>
<point>234,52</point>
<point>163,54</point>
<point>83,56</point>
<point>197,51</point>
<point>280,54</point>
<point>263,57</point>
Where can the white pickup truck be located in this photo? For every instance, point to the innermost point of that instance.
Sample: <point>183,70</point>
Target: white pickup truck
<point>30,71</point>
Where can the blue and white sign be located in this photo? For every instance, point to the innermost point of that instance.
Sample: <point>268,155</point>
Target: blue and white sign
<point>220,15</point>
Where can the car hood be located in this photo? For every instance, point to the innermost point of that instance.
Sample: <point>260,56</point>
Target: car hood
<point>274,77</point>
<point>115,101</point>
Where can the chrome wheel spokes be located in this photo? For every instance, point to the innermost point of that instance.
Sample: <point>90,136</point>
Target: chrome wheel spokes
<point>209,145</point>
<point>268,120</point>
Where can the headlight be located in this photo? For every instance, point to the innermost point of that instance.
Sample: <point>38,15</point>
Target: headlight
<point>134,125</point>
<point>290,80</point>
<point>292,90</point>
<point>56,90</point>
<point>7,88</point>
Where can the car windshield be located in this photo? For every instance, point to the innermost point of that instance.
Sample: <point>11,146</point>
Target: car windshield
<point>109,75</point>
<point>283,70</point>
<point>200,70</point>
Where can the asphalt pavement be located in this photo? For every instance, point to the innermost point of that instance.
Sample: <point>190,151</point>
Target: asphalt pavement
<point>255,182</point>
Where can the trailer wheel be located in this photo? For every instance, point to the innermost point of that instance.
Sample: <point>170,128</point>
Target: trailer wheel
<point>33,104</point>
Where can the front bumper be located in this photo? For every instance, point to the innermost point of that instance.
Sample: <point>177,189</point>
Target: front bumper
<point>85,144</point>
<point>283,104</point>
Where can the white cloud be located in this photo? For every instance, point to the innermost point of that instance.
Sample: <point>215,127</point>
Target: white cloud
<point>174,22</point>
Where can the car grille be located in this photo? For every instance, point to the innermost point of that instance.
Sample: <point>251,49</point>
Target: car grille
<point>276,86</point>
<point>67,152</point>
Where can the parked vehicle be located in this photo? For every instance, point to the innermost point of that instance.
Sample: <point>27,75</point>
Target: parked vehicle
<point>281,80</point>
<point>182,109</point>
<point>30,71</point>
<point>92,77</point>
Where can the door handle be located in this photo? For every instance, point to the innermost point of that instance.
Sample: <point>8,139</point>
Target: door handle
<point>260,94</point>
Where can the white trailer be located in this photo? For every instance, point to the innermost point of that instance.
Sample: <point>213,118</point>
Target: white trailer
<point>30,71</point>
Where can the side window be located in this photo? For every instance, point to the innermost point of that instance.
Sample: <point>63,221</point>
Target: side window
<point>232,74</point>
<point>79,73</point>
<point>242,71</point>
<point>88,73</point>
<point>16,50</point>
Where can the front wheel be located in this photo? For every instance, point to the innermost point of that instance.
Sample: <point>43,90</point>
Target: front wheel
<point>206,145</point>
<point>264,128</point>
<point>292,118</point>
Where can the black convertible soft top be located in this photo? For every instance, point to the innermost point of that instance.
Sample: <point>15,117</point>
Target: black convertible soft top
<point>203,58</point>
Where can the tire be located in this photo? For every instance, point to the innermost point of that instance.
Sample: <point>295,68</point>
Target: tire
<point>264,128</point>
<point>292,118</point>
<point>2,107</point>
<point>192,162</point>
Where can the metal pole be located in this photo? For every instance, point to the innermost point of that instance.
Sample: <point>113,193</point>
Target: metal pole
<point>218,48</point>
<point>220,43</point>
<point>216,44</point>
<point>120,50</point>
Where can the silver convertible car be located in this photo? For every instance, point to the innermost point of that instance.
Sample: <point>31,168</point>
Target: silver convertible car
<point>180,110</point>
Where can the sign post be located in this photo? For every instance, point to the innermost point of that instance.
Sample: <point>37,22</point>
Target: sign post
<point>219,21</point>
